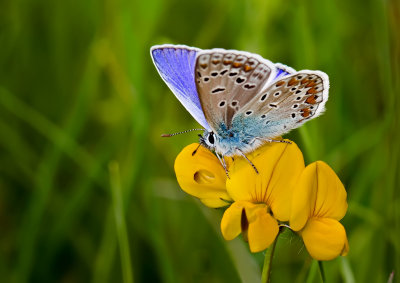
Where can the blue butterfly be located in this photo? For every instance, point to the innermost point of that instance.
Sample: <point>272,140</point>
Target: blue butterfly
<point>241,99</point>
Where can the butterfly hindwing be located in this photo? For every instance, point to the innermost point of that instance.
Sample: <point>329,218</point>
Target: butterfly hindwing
<point>286,104</point>
<point>227,80</point>
<point>175,64</point>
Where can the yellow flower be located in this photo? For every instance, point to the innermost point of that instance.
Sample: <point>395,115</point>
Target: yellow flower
<point>312,198</point>
<point>319,202</point>
<point>201,175</point>
<point>260,200</point>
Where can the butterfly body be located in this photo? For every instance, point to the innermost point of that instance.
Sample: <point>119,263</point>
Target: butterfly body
<point>241,99</point>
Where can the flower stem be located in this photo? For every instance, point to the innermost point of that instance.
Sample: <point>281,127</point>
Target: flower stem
<point>321,270</point>
<point>266,272</point>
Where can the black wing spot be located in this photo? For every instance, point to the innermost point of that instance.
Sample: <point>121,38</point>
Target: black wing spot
<point>234,103</point>
<point>298,98</point>
<point>222,103</point>
<point>248,113</point>
<point>214,74</point>
<point>273,105</point>
<point>223,72</point>
<point>299,77</point>
<point>233,74</point>
<point>267,122</point>
<point>218,89</point>
<point>263,97</point>
<point>277,93</point>
<point>293,89</point>
<point>293,115</point>
<point>263,116</point>
<point>240,80</point>
<point>248,86</point>
<point>295,106</point>
<point>297,92</point>
<point>199,74</point>
<point>206,79</point>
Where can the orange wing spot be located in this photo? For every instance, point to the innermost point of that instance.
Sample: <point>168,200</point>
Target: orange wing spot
<point>311,99</point>
<point>311,84</point>
<point>237,65</point>
<point>305,81</point>
<point>203,65</point>
<point>305,112</point>
<point>293,81</point>
<point>311,91</point>
<point>280,83</point>
<point>215,62</point>
<point>227,62</point>
<point>247,68</point>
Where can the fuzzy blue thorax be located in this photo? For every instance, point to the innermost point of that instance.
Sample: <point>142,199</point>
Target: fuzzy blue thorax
<point>228,141</point>
<point>245,135</point>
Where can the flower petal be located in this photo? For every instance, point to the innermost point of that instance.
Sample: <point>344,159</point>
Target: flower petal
<point>254,220</point>
<point>214,202</point>
<point>231,223</point>
<point>325,238</point>
<point>318,193</point>
<point>331,197</point>
<point>201,175</point>
<point>279,165</point>
<point>262,230</point>
<point>303,199</point>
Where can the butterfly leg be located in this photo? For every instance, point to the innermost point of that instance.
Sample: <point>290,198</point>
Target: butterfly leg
<point>222,161</point>
<point>282,141</point>
<point>248,160</point>
<point>195,151</point>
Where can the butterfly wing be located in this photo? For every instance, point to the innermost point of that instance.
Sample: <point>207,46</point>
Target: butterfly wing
<point>285,104</point>
<point>175,64</point>
<point>283,70</point>
<point>227,80</point>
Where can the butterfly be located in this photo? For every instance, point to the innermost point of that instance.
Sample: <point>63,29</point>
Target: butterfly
<point>241,99</point>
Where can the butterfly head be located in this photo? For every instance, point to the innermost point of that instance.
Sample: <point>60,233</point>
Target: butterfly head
<point>209,140</point>
<point>225,143</point>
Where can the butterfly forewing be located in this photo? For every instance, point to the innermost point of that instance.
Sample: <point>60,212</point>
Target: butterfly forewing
<point>287,103</point>
<point>227,80</point>
<point>175,64</point>
<point>282,71</point>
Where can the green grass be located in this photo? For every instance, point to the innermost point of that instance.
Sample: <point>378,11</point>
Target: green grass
<point>81,105</point>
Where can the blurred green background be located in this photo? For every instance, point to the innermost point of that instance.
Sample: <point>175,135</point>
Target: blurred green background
<point>87,187</point>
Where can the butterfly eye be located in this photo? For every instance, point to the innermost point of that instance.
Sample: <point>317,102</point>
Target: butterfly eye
<point>211,138</point>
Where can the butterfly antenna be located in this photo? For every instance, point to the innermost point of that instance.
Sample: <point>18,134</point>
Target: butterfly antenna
<point>183,132</point>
